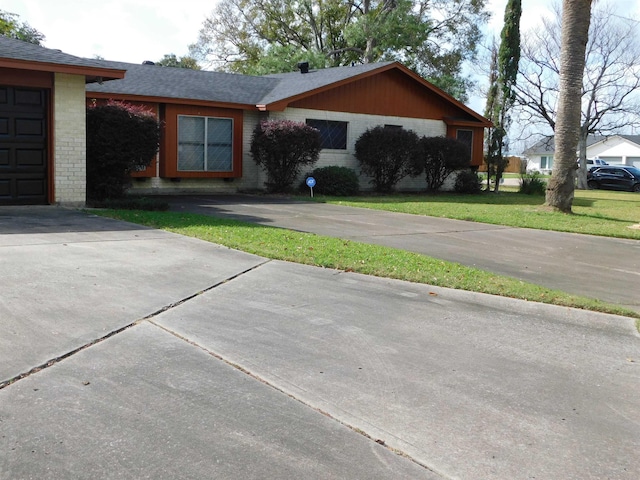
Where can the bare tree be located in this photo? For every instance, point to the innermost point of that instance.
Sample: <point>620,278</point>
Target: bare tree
<point>609,97</point>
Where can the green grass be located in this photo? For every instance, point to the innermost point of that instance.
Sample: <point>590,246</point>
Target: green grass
<point>595,212</point>
<point>310,249</point>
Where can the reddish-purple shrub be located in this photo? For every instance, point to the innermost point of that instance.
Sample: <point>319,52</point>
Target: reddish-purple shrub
<point>282,148</point>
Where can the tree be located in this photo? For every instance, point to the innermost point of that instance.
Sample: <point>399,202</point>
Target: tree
<point>501,96</point>
<point>12,27</point>
<point>611,78</point>
<point>171,60</point>
<point>576,16</point>
<point>282,148</point>
<point>434,37</point>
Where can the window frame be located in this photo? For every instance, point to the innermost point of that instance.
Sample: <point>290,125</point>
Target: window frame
<point>206,143</point>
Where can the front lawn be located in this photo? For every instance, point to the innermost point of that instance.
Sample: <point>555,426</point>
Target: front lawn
<point>596,212</point>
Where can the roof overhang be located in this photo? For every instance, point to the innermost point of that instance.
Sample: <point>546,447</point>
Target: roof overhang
<point>167,100</point>
<point>91,74</point>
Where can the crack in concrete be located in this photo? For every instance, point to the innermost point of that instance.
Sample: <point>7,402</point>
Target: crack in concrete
<point>59,358</point>
<point>269,384</point>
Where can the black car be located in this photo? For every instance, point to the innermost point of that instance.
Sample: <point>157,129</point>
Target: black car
<point>615,178</point>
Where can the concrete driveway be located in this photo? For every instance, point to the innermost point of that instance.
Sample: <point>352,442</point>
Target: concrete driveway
<point>604,268</point>
<point>132,353</point>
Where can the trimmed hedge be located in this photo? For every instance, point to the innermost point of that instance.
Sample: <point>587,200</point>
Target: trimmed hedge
<point>282,148</point>
<point>121,138</point>
<point>334,181</point>
<point>387,155</point>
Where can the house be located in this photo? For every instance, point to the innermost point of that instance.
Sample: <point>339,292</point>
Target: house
<point>215,114</point>
<point>614,150</point>
<point>42,123</point>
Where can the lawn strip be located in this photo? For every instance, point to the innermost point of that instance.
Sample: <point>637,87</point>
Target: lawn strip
<point>347,255</point>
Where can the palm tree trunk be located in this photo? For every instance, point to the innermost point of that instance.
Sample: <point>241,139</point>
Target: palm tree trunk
<point>576,16</point>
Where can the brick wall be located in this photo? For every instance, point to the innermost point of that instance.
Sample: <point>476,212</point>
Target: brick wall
<point>357,125</point>
<point>69,137</point>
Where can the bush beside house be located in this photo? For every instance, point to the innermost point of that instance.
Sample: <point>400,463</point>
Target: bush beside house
<point>387,155</point>
<point>121,138</point>
<point>282,148</point>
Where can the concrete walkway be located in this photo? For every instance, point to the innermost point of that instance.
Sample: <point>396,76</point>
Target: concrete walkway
<point>132,353</point>
<point>604,268</point>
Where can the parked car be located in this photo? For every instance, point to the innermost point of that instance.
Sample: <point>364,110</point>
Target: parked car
<point>595,163</point>
<point>615,178</point>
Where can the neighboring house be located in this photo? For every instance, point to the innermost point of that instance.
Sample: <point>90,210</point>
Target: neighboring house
<point>614,150</point>
<point>208,118</point>
<point>42,123</point>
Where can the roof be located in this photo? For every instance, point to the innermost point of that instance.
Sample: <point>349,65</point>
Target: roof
<point>547,144</point>
<point>27,56</point>
<point>185,84</point>
<point>293,84</point>
<point>268,92</point>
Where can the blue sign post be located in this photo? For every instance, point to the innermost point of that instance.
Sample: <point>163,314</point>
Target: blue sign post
<point>311,182</point>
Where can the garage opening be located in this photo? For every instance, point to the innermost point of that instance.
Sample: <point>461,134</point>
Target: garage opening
<point>23,146</point>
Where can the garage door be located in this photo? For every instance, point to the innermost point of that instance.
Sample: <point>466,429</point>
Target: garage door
<point>23,146</point>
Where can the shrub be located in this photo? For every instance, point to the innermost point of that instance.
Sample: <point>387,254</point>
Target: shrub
<point>532,184</point>
<point>468,181</point>
<point>386,155</point>
<point>121,138</point>
<point>282,148</point>
<point>335,181</point>
<point>439,157</point>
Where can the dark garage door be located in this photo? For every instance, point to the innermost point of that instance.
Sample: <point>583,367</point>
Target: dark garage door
<point>23,146</point>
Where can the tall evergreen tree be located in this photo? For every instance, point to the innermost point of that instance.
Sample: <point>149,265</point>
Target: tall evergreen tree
<point>502,92</point>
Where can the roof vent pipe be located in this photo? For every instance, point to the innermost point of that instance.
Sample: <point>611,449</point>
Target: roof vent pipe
<point>304,67</point>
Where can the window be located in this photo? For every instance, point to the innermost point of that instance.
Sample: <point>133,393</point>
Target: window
<point>466,137</point>
<point>333,134</point>
<point>205,144</point>
<point>546,162</point>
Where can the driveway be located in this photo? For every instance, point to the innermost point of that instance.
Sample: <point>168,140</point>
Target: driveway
<point>607,269</point>
<point>133,353</point>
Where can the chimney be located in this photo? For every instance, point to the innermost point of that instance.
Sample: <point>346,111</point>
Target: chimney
<point>304,67</point>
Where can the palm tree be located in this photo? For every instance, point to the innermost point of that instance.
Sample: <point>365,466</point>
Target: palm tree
<point>576,16</point>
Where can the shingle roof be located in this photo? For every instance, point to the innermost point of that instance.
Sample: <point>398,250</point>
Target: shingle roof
<point>295,83</point>
<point>17,50</point>
<point>182,83</point>
<point>547,144</point>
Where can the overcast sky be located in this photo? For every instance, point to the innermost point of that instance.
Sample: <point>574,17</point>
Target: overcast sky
<point>138,30</point>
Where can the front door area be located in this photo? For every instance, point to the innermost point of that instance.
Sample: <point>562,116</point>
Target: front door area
<point>23,146</point>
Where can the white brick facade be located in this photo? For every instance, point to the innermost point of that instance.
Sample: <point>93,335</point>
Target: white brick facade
<point>253,177</point>
<point>357,125</point>
<point>69,139</point>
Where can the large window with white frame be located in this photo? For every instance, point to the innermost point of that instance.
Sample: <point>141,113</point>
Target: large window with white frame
<point>546,162</point>
<point>205,144</point>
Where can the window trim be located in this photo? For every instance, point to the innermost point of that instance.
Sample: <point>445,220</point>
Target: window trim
<point>169,152</point>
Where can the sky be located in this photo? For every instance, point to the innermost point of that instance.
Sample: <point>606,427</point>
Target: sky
<point>137,30</point>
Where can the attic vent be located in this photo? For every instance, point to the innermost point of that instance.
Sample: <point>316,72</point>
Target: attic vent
<point>148,62</point>
<point>304,67</point>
